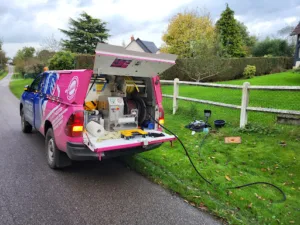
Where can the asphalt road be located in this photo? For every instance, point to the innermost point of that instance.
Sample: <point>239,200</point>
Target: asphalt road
<point>87,193</point>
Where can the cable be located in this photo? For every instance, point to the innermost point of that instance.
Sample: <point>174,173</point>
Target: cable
<point>92,86</point>
<point>202,142</point>
<point>209,182</point>
<point>186,152</point>
<point>261,182</point>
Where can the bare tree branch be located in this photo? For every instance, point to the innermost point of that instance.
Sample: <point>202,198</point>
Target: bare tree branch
<point>51,44</point>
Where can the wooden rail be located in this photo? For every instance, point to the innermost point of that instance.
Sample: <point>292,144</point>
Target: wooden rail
<point>246,87</point>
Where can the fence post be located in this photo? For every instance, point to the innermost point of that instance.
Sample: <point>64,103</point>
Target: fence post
<point>245,102</point>
<point>175,95</point>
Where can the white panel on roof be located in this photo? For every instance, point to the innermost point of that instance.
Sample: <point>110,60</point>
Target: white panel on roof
<point>116,60</point>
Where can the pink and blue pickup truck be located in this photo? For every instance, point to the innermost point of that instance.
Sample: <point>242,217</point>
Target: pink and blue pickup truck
<point>110,111</point>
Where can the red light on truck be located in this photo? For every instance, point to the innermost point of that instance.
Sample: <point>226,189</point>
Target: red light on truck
<point>74,125</point>
<point>161,118</point>
<point>161,121</point>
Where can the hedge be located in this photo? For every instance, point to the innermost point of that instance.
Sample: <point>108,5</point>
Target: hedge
<point>236,66</point>
<point>84,61</point>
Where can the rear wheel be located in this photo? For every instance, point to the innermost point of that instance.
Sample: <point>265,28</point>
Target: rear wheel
<point>56,159</point>
<point>26,127</point>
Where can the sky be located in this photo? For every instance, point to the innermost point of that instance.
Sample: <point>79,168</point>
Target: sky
<point>30,22</point>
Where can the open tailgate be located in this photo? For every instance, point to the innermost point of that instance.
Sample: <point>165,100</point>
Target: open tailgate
<point>116,60</point>
<point>121,143</point>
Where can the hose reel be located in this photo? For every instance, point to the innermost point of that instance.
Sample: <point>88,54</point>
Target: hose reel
<point>136,103</point>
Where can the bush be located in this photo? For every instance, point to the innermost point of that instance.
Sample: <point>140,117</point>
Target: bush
<point>296,70</point>
<point>249,71</point>
<point>62,61</point>
<point>236,68</point>
<point>84,61</point>
<point>33,66</point>
<point>273,47</point>
<point>277,69</point>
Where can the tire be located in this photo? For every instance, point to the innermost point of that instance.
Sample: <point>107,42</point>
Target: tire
<point>26,127</point>
<point>56,159</point>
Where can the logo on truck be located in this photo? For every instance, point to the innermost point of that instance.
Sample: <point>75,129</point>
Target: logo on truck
<point>72,88</point>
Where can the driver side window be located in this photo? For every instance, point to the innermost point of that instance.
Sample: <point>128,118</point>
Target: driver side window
<point>35,84</point>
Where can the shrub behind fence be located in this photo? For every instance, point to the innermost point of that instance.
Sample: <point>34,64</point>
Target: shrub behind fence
<point>84,61</point>
<point>236,68</point>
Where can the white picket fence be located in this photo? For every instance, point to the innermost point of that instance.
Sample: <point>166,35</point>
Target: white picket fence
<point>246,87</point>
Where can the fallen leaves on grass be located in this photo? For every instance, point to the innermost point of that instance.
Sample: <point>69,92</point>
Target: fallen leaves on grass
<point>202,206</point>
<point>250,205</point>
<point>228,178</point>
<point>292,221</point>
<point>259,197</point>
<point>191,203</point>
<point>196,196</point>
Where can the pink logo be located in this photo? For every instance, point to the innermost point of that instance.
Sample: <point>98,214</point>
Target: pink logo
<point>72,88</point>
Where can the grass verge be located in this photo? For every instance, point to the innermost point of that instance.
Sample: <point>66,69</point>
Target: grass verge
<point>2,74</point>
<point>16,76</point>
<point>17,86</point>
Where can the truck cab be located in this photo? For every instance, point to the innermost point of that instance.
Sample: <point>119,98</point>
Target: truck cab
<point>113,110</point>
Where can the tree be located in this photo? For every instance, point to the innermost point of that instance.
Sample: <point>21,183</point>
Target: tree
<point>84,34</point>
<point>51,44</point>
<point>33,66</point>
<point>44,56</point>
<point>3,58</point>
<point>248,41</point>
<point>62,61</point>
<point>25,53</point>
<point>273,47</point>
<point>24,61</point>
<point>186,28</point>
<point>230,35</point>
<point>205,61</point>
<point>284,33</point>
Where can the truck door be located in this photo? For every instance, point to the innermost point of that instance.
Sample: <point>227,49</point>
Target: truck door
<point>39,98</point>
<point>30,98</point>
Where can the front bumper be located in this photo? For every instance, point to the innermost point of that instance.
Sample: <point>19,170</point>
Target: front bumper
<point>80,152</point>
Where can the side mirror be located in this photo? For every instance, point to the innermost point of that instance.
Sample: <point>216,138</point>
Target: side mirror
<point>26,88</point>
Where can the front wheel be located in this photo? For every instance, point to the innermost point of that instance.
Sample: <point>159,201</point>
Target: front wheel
<point>26,127</point>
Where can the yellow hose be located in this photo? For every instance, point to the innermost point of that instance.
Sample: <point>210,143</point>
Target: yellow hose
<point>130,89</point>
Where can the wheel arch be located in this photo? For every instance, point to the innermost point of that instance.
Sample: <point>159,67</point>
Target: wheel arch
<point>48,125</point>
<point>21,107</point>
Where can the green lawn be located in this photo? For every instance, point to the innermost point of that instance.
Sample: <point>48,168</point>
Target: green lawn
<point>280,79</point>
<point>2,74</point>
<point>260,157</point>
<point>17,86</point>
